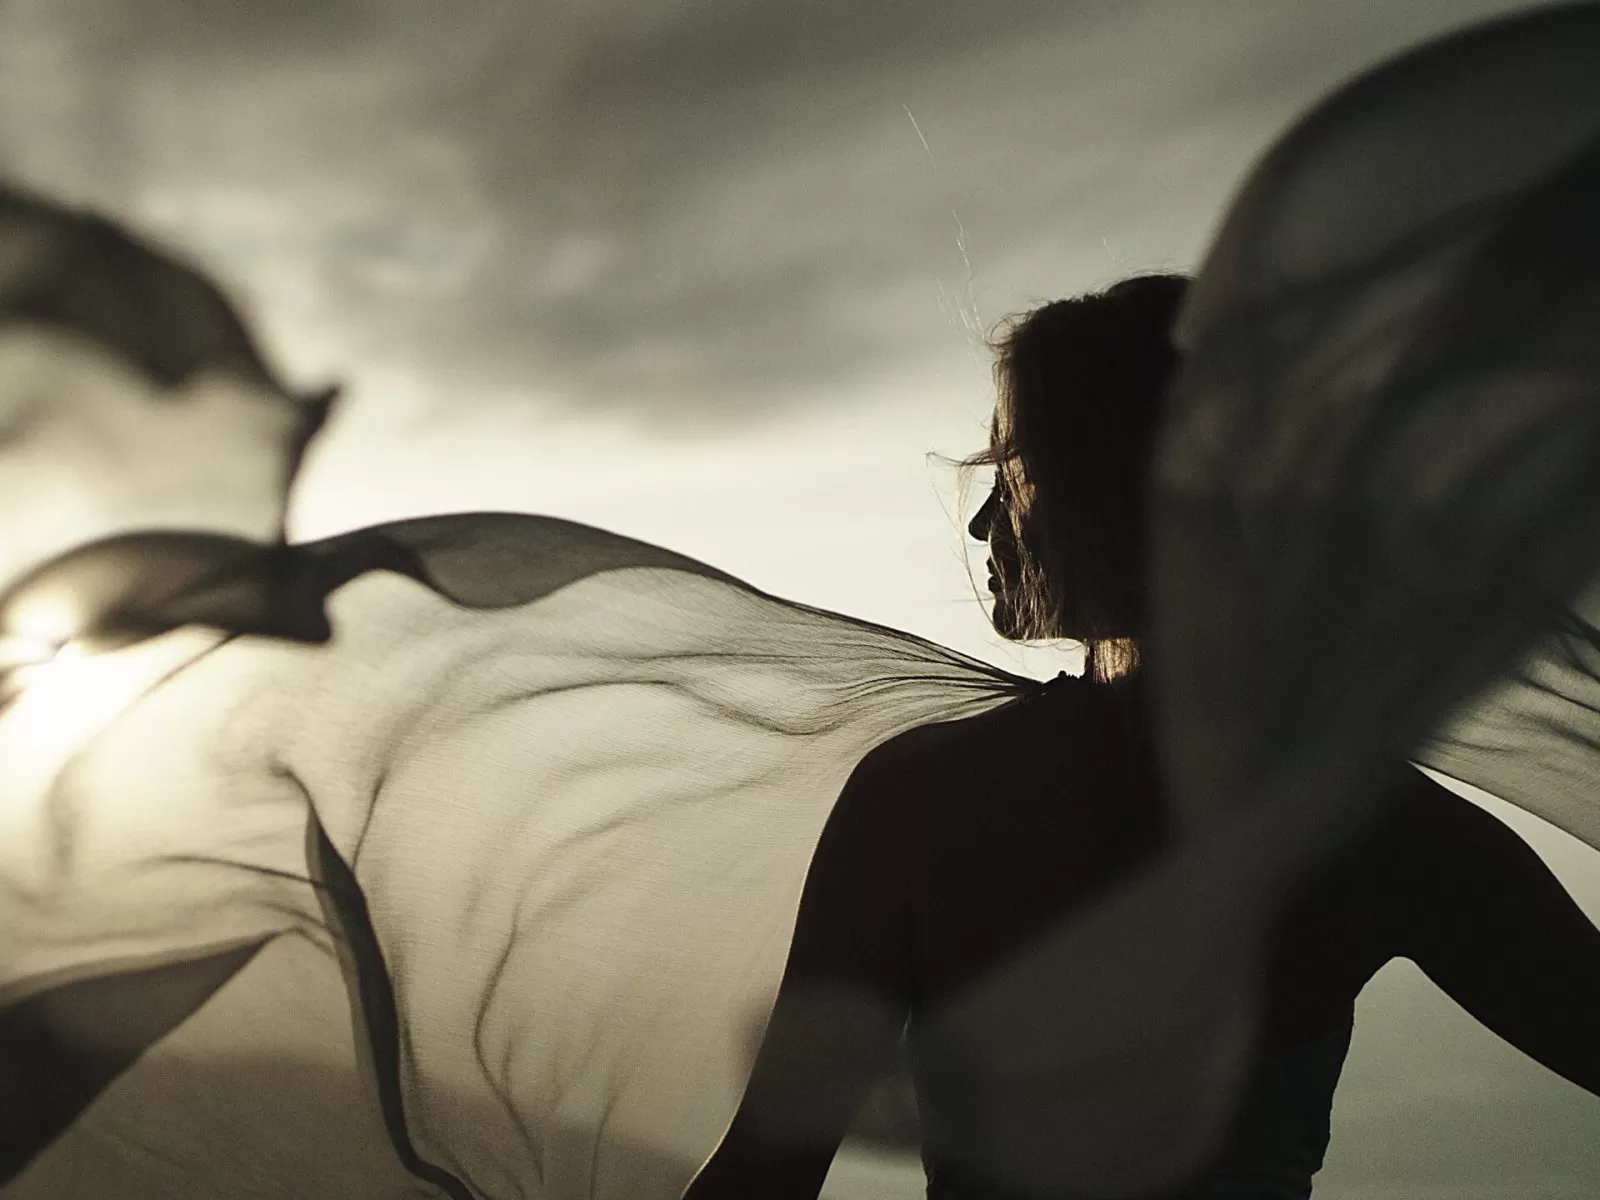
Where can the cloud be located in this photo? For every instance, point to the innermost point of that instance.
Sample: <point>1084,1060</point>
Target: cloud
<point>621,207</point>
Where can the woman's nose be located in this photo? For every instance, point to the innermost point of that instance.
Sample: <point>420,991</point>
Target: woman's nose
<point>982,520</point>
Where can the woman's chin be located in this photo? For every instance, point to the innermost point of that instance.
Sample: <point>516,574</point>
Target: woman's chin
<point>1004,618</point>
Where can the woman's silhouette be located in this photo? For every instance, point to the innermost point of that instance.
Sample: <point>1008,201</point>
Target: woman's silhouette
<point>954,844</point>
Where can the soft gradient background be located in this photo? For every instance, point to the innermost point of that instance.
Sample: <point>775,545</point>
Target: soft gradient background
<point>717,275</point>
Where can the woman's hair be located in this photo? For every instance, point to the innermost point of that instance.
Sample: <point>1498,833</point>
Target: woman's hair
<point>1079,385</point>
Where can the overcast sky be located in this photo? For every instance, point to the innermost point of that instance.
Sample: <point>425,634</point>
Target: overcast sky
<point>686,214</point>
<point>716,275</point>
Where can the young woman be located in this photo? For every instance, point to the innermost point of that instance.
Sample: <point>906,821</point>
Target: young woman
<point>954,844</point>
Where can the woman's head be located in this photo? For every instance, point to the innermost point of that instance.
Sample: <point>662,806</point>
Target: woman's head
<point>1079,385</point>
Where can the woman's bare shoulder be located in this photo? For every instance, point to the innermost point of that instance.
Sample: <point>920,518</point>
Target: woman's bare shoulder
<point>1039,726</point>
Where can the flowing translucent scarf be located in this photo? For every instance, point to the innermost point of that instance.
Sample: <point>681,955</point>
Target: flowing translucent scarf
<point>460,856</point>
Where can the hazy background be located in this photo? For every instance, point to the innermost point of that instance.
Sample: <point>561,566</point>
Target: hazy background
<point>716,275</point>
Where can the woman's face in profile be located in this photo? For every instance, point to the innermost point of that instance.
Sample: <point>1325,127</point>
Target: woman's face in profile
<point>992,524</point>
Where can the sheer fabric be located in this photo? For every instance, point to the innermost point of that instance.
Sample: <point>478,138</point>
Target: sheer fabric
<point>1377,482</point>
<point>507,867</point>
<point>145,449</point>
<point>1387,428</point>
<point>558,827</point>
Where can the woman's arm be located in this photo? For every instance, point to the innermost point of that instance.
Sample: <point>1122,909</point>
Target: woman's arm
<point>1488,922</point>
<point>841,1005</point>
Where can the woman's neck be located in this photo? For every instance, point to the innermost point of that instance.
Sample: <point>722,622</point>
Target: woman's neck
<point>1107,660</point>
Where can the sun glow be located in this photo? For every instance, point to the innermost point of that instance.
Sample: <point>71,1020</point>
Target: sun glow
<point>20,653</point>
<point>39,629</point>
<point>38,663</point>
<point>59,696</point>
<point>37,642</point>
<point>62,688</point>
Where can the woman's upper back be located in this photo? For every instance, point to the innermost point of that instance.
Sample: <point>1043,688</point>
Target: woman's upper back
<point>982,833</point>
<point>1008,821</point>
<point>954,845</point>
